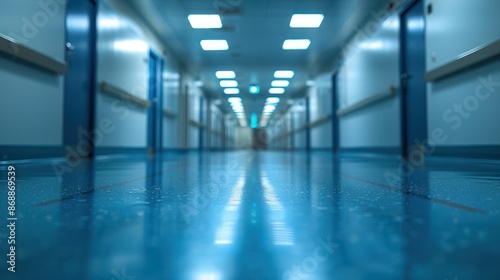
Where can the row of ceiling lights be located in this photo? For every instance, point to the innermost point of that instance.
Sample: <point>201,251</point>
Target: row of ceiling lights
<point>212,21</point>
<point>230,85</point>
<point>239,111</point>
<point>227,78</point>
<point>269,108</point>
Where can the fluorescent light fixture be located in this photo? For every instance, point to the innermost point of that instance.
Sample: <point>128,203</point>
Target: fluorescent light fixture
<point>225,74</point>
<point>234,99</point>
<point>273,99</point>
<point>269,108</point>
<point>228,83</point>
<point>214,45</point>
<point>205,21</point>
<point>296,44</point>
<point>280,83</point>
<point>306,20</point>
<point>284,74</point>
<point>231,91</point>
<point>276,90</point>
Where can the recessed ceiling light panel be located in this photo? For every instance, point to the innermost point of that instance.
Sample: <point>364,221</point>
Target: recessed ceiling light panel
<point>214,45</point>
<point>284,74</point>
<point>296,44</point>
<point>273,100</point>
<point>280,83</point>
<point>228,83</point>
<point>234,100</point>
<point>225,74</point>
<point>231,91</point>
<point>306,20</point>
<point>276,90</point>
<point>205,21</point>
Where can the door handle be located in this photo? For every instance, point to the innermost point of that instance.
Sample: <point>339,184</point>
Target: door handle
<point>405,76</point>
<point>404,79</point>
<point>70,47</point>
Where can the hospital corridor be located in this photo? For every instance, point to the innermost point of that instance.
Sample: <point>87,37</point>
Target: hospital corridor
<point>249,139</point>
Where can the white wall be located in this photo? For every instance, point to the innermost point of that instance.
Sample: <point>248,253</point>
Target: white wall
<point>320,106</point>
<point>243,137</point>
<point>456,27</point>
<point>31,101</point>
<point>123,46</point>
<point>216,127</point>
<point>298,119</point>
<point>195,95</point>
<point>171,89</point>
<point>122,61</point>
<point>371,67</point>
<point>277,132</point>
<point>230,132</point>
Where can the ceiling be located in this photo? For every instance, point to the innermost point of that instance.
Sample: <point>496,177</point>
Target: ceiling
<point>255,31</point>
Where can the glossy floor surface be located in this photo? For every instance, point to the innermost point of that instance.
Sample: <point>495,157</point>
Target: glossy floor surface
<point>255,215</point>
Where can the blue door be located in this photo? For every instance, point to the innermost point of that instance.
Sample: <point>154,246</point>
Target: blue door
<point>155,114</point>
<point>335,118</point>
<point>414,94</point>
<point>79,92</point>
<point>202,129</point>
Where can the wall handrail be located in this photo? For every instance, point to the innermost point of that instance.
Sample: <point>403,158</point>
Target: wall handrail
<point>302,128</point>
<point>17,50</point>
<point>195,123</point>
<point>169,114</point>
<point>464,61</point>
<point>218,133</point>
<point>320,121</point>
<point>368,101</point>
<point>119,93</point>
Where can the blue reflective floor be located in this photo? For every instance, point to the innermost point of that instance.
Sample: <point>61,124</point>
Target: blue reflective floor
<point>255,215</point>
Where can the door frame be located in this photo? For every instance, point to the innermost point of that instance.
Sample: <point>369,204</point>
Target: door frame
<point>335,117</point>
<point>201,133</point>
<point>92,43</point>
<point>308,127</point>
<point>155,94</point>
<point>404,114</point>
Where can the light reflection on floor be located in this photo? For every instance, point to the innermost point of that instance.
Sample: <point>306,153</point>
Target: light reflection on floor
<point>257,215</point>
